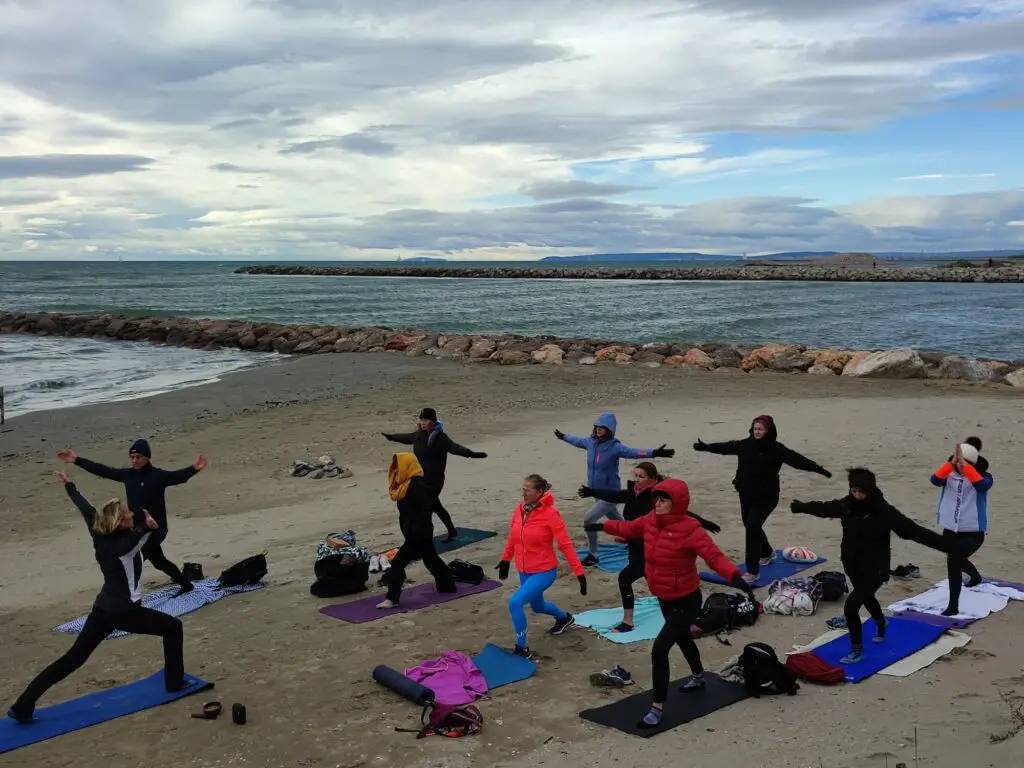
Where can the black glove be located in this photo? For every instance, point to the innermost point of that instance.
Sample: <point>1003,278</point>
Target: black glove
<point>585,493</point>
<point>825,472</point>
<point>582,579</point>
<point>663,452</point>
<point>794,507</point>
<point>700,445</point>
<point>740,583</point>
<point>477,455</point>
<point>502,569</point>
<point>707,525</point>
<point>593,527</point>
<point>559,434</point>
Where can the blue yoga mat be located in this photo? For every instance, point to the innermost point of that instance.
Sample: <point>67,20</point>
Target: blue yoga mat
<point>780,569</point>
<point>647,621</point>
<point>501,667</point>
<point>902,638</point>
<point>611,557</point>
<point>92,709</point>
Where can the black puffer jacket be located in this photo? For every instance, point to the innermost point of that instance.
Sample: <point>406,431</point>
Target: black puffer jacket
<point>760,461</point>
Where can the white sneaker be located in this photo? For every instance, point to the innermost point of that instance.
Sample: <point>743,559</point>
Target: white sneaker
<point>374,564</point>
<point>385,605</point>
<point>751,578</point>
<point>768,560</point>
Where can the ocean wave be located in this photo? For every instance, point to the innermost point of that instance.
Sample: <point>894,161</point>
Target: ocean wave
<point>62,383</point>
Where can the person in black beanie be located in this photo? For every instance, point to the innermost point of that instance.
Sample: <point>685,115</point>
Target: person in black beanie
<point>145,486</point>
<point>431,446</point>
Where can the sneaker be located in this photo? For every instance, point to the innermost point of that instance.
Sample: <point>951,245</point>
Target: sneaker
<point>589,561</point>
<point>853,657</point>
<point>768,560</point>
<point>620,673</point>
<point>385,604</point>
<point>560,626</point>
<point>839,622</point>
<point>605,680</point>
<point>523,653</point>
<point>622,627</point>
<point>751,578</point>
<point>693,685</point>
<point>375,564</point>
<point>906,572</point>
<point>21,717</point>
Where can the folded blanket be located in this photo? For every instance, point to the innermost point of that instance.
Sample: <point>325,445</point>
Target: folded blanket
<point>975,602</point>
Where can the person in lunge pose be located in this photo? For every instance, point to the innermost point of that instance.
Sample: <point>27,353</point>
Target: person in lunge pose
<point>603,453</point>
<point>537,527</point>
<point>118,550</point>
<point>637,502</point>
<point>963,515</point>
<point>868,522</point>
<point>145,486</point>
<point>432,445</point>
<point>408,490</point>
<point>760,458</point>
<point>673,540</point>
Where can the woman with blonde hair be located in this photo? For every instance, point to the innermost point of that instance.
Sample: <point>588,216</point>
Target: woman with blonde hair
<point>118,550</point>
<point>408,490</point>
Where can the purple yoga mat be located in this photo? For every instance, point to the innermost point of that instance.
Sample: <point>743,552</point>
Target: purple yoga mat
<point>413,598</point>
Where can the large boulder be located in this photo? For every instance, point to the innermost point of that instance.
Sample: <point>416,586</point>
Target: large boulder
<point>820,370</point>
<point>615,354</point>
<point>965,369</point>
<point>481,349</point>
<point>1015,378</point>
<point>790,359</point>
<point>855,359</point>
<point>833,359</point>
<point>512,356</point>
<point>648,357</point>
<point>454,347</point>
<point>402,340</point>
<point>902,363</point>
<point>699,359</point>
<point>549,354</point>
<point>727,356</point>
<point>759,357</point>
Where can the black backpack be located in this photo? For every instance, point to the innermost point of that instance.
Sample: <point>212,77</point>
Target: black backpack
<point>764,673</point>
<point>248,571</point>
<point>723,611</point>
<point>466,572</point>
<point>833,584</point>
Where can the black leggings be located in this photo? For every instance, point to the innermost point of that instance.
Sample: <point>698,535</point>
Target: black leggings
<point>99,624</point>
<point>679,616</point>
<point>633,572</point>
<point>439,510</point>
<point>154,553</point>
<point>415,549</point>
<point>958,564</point>
<point>755,513</point>
<point>862,596</point>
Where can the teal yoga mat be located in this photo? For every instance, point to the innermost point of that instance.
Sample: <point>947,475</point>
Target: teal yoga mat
<point>466,537</point>
<point>647,621</point>
<point>611,557</point>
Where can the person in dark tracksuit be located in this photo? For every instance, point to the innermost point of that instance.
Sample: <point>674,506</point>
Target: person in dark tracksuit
<point>637,501</point>
<point>145,486</point>
<point>868,522</point>
<point>432,445</point>
<point>760,459</point>
<point>118,551</point>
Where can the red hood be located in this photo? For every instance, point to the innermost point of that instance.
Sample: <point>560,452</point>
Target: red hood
<point>679,492</point>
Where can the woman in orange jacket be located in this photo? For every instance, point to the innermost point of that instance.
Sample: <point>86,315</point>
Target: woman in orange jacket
<point>537,526</point>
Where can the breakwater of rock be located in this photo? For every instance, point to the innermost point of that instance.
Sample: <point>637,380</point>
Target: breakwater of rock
<point>513,349</point>
<point>795,272</point>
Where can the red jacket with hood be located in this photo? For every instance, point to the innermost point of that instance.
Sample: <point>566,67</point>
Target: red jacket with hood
<point>672,544</point>
<point>532,541</point>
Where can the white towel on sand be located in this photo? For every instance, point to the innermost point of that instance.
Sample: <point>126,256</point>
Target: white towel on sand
<point>975,602</point>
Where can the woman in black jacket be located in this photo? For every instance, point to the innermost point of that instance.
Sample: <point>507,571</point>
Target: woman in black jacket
<point>868,522</point>
<point>415,512</point>
<point>637,502</point>
<point>118,550</point>
<point>760,459</point>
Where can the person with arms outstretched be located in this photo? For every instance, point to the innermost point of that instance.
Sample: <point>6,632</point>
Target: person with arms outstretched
<point>145,487</point>
<point>604,450</point>
<point>431,445</point>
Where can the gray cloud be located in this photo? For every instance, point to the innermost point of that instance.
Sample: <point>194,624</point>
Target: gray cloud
<point>69,166</point>
<point>556,190</point>
<point>232,168</point>
<point>17,201</point>
<point>361,143</point>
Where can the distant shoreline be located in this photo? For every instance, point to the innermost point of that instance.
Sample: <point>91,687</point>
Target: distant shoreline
<point>851,274</point>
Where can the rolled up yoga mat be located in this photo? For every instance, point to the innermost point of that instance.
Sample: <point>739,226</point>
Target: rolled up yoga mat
<point>402,685</point>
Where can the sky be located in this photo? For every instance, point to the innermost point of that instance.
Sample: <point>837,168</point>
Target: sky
<point>322,129</point>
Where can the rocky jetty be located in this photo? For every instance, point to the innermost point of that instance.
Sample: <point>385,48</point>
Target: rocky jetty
<point>513,349</point>
<point>800,272</point>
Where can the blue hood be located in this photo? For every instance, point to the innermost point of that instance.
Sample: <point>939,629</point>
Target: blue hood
<point>608,421</point>
<point>433,433</point>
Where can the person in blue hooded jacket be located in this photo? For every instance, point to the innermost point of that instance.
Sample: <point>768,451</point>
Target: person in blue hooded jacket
<point>604,450</point>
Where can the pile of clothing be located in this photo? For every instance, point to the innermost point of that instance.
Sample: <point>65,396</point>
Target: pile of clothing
<point>341,567</point>
<point>325,466</point>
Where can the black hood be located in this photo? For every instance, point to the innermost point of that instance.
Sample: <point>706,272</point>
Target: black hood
<point>865,480</point>
<point>771,436</point>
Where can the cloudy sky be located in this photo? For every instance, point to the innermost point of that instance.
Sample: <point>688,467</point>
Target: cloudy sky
<point>491,129</point>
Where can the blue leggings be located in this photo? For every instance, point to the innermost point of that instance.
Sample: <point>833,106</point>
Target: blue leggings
<point>531,592</point>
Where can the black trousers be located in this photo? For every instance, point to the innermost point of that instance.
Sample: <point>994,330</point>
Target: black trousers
<point>628,576</point>
<point>99,624</point>
<point>862,596</point>
<point>958,564</point>
<point>154,553</point>
<point>755,513</point>
<point>439,510</point>
<point>415,549</point>
<point>679,616</point>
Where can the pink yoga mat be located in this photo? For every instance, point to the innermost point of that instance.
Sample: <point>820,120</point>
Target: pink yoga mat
<point>413,598</point>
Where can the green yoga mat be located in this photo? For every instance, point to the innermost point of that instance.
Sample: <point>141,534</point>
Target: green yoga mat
<point>466,537</point>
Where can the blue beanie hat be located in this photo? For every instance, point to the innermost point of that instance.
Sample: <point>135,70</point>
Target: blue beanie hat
<point>141,446</point>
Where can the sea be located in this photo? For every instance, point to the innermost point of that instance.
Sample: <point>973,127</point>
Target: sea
<point>44,373</point>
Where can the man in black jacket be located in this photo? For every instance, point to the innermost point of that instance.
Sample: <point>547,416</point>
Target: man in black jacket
<point>145,486</point>
<point>431,446</point>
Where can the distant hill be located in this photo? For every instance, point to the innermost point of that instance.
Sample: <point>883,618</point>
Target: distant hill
<point>645,257</point>
<point>621,258</point>
<point>423,260</point>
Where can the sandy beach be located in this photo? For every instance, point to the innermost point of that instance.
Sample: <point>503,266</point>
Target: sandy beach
<point>305,678</point>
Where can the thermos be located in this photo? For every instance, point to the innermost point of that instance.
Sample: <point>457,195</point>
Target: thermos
<point>238,714</point>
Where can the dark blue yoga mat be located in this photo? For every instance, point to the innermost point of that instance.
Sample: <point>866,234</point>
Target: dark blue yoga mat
<point>501,667</point>
<point>902,638</point>
<point>92,709</point>
<point>780,569</point>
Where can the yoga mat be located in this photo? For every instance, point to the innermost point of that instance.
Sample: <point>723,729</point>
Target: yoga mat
<point>948,642</point>
<point>501,667</point>
<point>466,537</point>
<point>611,556</point>
<point>902,638</point>
<point>203,593</point>
<point>946,622</point>
<point>680,708</point>
<point>413,598</point>
<point>647,621</point>
<point>780,569</point>
<point>92,709</point>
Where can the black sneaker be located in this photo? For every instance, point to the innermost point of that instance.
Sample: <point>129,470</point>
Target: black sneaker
<point>185,588</point>
<point>605,680</point>
<point>523,653</point>
<point>560,626</point>
<point>621,674</point>
<point>21,717</point>
<point>589,561</point>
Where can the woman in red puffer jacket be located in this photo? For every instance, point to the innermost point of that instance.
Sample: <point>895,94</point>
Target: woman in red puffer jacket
<point>673,540</point>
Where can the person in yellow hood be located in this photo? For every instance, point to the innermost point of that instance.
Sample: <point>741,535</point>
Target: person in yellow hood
<point>408,490</point>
